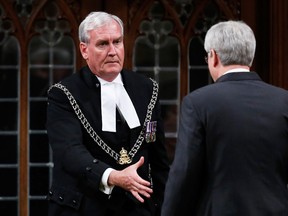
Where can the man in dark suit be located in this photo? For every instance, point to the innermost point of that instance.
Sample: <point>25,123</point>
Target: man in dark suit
<point>106,132</point>
<point>232,151</point>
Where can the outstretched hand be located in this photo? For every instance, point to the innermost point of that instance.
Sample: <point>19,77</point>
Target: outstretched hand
<point>129,180</point>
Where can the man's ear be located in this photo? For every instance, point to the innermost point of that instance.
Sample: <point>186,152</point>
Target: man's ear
<point>84,50</point>
<point>215,58</point>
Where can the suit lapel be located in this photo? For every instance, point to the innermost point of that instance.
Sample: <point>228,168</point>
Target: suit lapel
<point>132,88</point>
<point>92,105</point>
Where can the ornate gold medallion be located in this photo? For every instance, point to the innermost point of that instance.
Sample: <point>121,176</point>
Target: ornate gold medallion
<point>124,158</point>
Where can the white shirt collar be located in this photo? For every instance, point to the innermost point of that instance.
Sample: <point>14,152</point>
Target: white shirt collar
<point>118,79</point>
<point>235,70</point>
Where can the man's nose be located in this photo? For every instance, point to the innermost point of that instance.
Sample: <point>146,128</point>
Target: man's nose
<point>112,49</point>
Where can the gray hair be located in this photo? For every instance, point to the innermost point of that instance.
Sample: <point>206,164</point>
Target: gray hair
<point>95,20</point>
<point>233,41</point>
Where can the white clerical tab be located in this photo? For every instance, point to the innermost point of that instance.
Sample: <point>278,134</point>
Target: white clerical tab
<point>108,107</point>
<point>114,94</point>
<point>126,106</point>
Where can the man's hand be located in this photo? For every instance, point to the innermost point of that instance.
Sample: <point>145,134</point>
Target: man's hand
<point>129,180</point>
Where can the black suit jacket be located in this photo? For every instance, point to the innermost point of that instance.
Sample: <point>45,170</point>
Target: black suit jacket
<point>232,151</point>
<point>79,162</point>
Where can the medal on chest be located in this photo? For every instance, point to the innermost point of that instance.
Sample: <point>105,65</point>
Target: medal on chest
<point>150,135</point>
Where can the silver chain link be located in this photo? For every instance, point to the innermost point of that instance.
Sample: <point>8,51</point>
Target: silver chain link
<point>95,136</point>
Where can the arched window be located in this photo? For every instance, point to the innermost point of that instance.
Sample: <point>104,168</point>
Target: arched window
<point>156,55</point>
<point>51,58</point>
<point>30,61</point>
<point>9,115</point>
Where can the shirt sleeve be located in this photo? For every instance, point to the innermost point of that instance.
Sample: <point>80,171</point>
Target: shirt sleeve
<point>104,187</point>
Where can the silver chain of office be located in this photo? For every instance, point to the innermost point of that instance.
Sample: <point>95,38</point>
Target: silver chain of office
<point>95,136</point>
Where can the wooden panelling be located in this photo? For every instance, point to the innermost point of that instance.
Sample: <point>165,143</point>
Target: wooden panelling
<point>279,43</point>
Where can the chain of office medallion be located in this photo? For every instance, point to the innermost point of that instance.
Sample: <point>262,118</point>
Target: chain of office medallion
<point>95,136</point>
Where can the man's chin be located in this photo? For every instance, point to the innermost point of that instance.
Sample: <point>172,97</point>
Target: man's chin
<point>111,74</point>
<point>114,70</point>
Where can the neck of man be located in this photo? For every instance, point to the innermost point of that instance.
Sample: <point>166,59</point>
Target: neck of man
<point>222,70</point>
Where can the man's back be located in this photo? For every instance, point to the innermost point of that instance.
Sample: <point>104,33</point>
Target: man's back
<point>246,126</point>
<point>234,150</point>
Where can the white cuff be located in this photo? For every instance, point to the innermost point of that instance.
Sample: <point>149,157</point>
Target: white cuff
<point>104,187</point>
